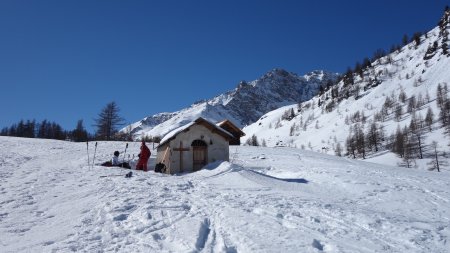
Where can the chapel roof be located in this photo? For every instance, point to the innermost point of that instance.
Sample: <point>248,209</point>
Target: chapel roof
<point>230,124</point>
<point>199,121</point>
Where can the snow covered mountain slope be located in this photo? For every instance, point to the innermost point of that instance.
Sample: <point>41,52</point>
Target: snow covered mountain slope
<point>263,200</point>
<point>243,105</point>
<point>387,94</point>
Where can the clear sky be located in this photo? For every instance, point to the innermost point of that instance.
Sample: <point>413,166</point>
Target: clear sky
<point>65,60</point>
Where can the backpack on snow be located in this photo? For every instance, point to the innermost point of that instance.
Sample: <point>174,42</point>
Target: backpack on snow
<point>160,168</point>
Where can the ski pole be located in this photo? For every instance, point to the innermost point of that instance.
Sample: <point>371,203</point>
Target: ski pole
<point>128,175</point>
<point>95,151</point>
<point>124,153</point>
<point>87,149</point>
<point>112,176</point>
<point>129,160</point>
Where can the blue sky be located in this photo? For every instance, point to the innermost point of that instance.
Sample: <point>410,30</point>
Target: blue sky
<point>65,60</point>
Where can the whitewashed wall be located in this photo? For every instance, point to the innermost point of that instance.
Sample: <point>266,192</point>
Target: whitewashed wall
<point>217,151</point>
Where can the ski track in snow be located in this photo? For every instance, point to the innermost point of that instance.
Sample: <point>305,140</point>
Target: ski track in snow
<point>264,200</point>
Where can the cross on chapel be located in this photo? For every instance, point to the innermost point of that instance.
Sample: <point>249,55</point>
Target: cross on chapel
<point>181,149</point>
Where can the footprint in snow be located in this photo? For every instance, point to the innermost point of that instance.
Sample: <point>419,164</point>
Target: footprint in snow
<point>158,237</point>
<point>139,230</point>
<point>230,249</point>
<point>314,219</point>
<point>124,208</point>
<point>7,201</point>
<point>186,186</point>
<point>48,243</point>
<point>316,244</point>
<point>3,215</point>
<point>203,234</point>
<point>120,217</point>
<point>18,230</point>
<point>95,238</point>
<point>31,182</point>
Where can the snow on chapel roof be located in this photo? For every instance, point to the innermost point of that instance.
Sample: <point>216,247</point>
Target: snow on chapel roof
<point>200,121</point>
<point>230,124</point>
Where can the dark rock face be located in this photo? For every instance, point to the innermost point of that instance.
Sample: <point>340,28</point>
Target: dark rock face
<point>275,89</point>
<point>250,100</point>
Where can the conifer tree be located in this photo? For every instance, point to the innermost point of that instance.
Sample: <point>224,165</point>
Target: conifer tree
<point>416,134</point>
<point>444,115</point>
<point>440,96</point>
<point>79,134</point>
<point>360,141</point>
<point>338,151</point>
<point>408,156</point>
<point>348,77</point>
<point>429,118</point>
<point>416,38</point>
<point>411,104</point>
<point>253,141</point>
<point>398,112</point>
<point>108,121</point>
<point>366,63</point>
<point>20,129</point>
<point>402,96</point>
<point>42,131</point>
<point>350,144</point>
<point>405,40</point>
<point>29,129</point>
<point>292,130</point>
<point>374,137</point>
<point>435,163</point>
<point>12,130</point>
<point>399,142</point>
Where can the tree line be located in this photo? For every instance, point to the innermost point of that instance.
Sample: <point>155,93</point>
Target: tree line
<point>107,125</point>
<point>33,129</point>
<point>45,130</point>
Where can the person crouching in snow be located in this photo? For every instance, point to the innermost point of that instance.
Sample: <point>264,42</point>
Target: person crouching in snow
<point>144,155</point>
<point>115,159</point>
<point>115,162</point>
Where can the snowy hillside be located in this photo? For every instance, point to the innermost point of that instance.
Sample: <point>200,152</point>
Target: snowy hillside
<point>388,94</point>
<point>244,105</point>
<point>263,200</point>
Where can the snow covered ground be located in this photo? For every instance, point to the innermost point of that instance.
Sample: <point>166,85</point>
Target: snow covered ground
<point>263,200</point>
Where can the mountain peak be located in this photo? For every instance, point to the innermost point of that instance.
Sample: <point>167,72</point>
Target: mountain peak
<point>320,75</point>
<point>245,104</point>
<point>279,71</point>
<point>277,74</point>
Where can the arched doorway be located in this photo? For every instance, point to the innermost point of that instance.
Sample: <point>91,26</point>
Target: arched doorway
<point>199,151</point>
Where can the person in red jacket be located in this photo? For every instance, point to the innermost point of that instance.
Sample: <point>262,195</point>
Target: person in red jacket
<point>144,155</point>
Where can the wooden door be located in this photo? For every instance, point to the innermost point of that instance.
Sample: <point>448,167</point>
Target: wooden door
<point>199,151</point>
